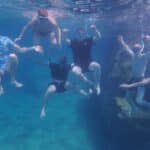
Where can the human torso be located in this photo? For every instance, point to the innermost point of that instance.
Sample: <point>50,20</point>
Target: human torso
<point>42,27</point>
<point>81,50</point>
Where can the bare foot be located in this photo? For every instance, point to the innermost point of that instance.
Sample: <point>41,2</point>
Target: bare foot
<point>43,114</point>
<point>98,90</point>
<point>17,84</point>
<point>90,91</point>
<point>1,90</point>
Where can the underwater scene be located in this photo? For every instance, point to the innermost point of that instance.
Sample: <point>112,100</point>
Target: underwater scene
<point>74,75</point>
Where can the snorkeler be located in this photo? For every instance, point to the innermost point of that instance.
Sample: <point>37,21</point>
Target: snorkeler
<point>9,60</point>
<point>42,25</point>
<point>81,49</point>
<point>60,83</point>
<point>139,66</point>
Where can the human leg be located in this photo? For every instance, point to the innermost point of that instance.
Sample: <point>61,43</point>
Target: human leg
<point>11,68</point>
<point>50,90</point>
<point>95,68</point>
<point>140,98</point>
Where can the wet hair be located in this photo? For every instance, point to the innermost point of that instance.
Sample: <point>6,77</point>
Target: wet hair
<point>137,48</point>
<point>42,12</point>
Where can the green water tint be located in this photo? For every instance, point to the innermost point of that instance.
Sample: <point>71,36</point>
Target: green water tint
<point>134,115</point>
<point>22,129</point>
<point>130,110</point>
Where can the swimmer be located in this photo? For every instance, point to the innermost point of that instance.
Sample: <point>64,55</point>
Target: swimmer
<point>60,73</point>
<point>9,60</point>
<point>139,66</point>
<point>82,48</point>
<point>42,25</point>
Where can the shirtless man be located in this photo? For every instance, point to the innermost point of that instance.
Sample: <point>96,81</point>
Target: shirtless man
<point>42,25</point>
<point>139,65</point>
<point>9,60</point>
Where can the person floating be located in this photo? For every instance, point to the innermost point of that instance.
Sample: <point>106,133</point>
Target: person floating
<point>81,49</point>
<point>42,25</point>
<point>9,60</point>
<point>64,77</point>
<point>139,66</point>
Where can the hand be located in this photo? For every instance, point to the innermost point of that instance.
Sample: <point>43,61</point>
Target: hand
<point>93,26</point>
<point>124,86</point>
<point>65,30</point>
<point>38,48</point>
<point>146,37</point>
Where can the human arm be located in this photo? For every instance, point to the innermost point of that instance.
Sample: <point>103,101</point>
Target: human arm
<point>125,46</point>
<point>56,28</point>
<point>136,84</point>
<point>97,34</point>
<point>25,49</point>
<point>146,41</point>
<point>25,28</point>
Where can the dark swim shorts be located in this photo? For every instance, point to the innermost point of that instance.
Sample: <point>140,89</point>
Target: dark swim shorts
<point>60,86</point>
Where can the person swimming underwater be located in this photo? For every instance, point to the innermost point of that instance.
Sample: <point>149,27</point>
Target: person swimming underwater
<point>9,59</point>
<point>139,66</point>
<point>81,50</point>
<point>42,25</point>
<point>59,83</point>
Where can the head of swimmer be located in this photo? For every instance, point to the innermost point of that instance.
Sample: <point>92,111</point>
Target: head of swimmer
<point>137,48</point>
<point>80,33</point>
<point>42,13</point>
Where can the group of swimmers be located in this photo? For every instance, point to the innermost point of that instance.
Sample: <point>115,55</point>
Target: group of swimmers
<point>139,57</point>
<point>84,69</point>
<point>64,76</point>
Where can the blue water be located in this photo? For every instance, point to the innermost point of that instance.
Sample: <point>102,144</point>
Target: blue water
<point>72,122</point>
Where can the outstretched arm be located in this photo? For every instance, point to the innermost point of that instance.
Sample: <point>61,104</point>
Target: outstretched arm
<point>25,28</point>
<point>25,49</point>
<point>124,45</point>
<point>136,84</point>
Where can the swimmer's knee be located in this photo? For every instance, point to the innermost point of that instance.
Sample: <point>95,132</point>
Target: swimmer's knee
<point>51,89</point>
<point>13,57</point>
<point>94,65</point>
<point>77,70</point>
